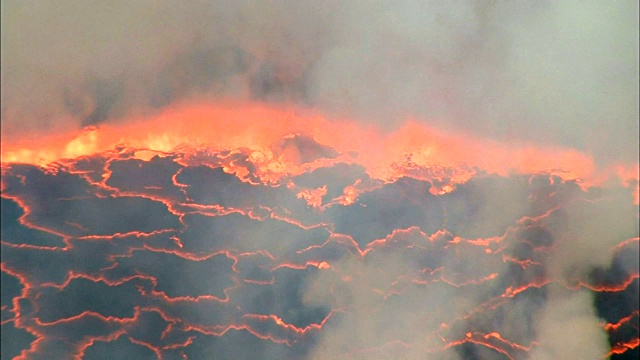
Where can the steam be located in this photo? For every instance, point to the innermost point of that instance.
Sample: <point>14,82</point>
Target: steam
<point>549,73</point>
<point>561,73</point>
<point>569,328</point>
<point>435,275</point>
<point>568,325</point>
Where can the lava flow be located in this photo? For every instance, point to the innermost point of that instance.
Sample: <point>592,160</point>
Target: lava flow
<point>280,234</point>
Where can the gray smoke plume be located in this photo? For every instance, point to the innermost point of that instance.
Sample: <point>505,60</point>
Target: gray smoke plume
<point>563,73</point>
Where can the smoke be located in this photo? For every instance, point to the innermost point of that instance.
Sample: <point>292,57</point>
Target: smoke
<point>240,270</point>
<point>569,328</point>
<point>561,73</point>
<point>429,290</point>
<point>568,325</point>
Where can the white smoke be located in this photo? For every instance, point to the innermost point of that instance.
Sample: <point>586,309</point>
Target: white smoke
<point>544,72</point>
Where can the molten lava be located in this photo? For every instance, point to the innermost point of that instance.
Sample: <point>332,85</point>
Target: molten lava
<point>248,230</point>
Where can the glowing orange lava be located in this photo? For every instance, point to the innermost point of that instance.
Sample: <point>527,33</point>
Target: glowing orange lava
<point>414,148</point>
<point>192,132</point>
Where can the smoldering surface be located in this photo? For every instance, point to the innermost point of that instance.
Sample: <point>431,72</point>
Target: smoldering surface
<point>170,257</point>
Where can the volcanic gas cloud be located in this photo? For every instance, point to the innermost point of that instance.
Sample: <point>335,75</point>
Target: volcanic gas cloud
<point>320,180</point>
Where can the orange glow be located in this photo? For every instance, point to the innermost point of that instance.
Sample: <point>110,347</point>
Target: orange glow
<point>621,348</point>
<point>313,197</point>
<point>196,132</point>
<point>414,148</point>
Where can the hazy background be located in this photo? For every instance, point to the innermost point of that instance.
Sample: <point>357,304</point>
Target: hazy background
<point>548,72</point>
